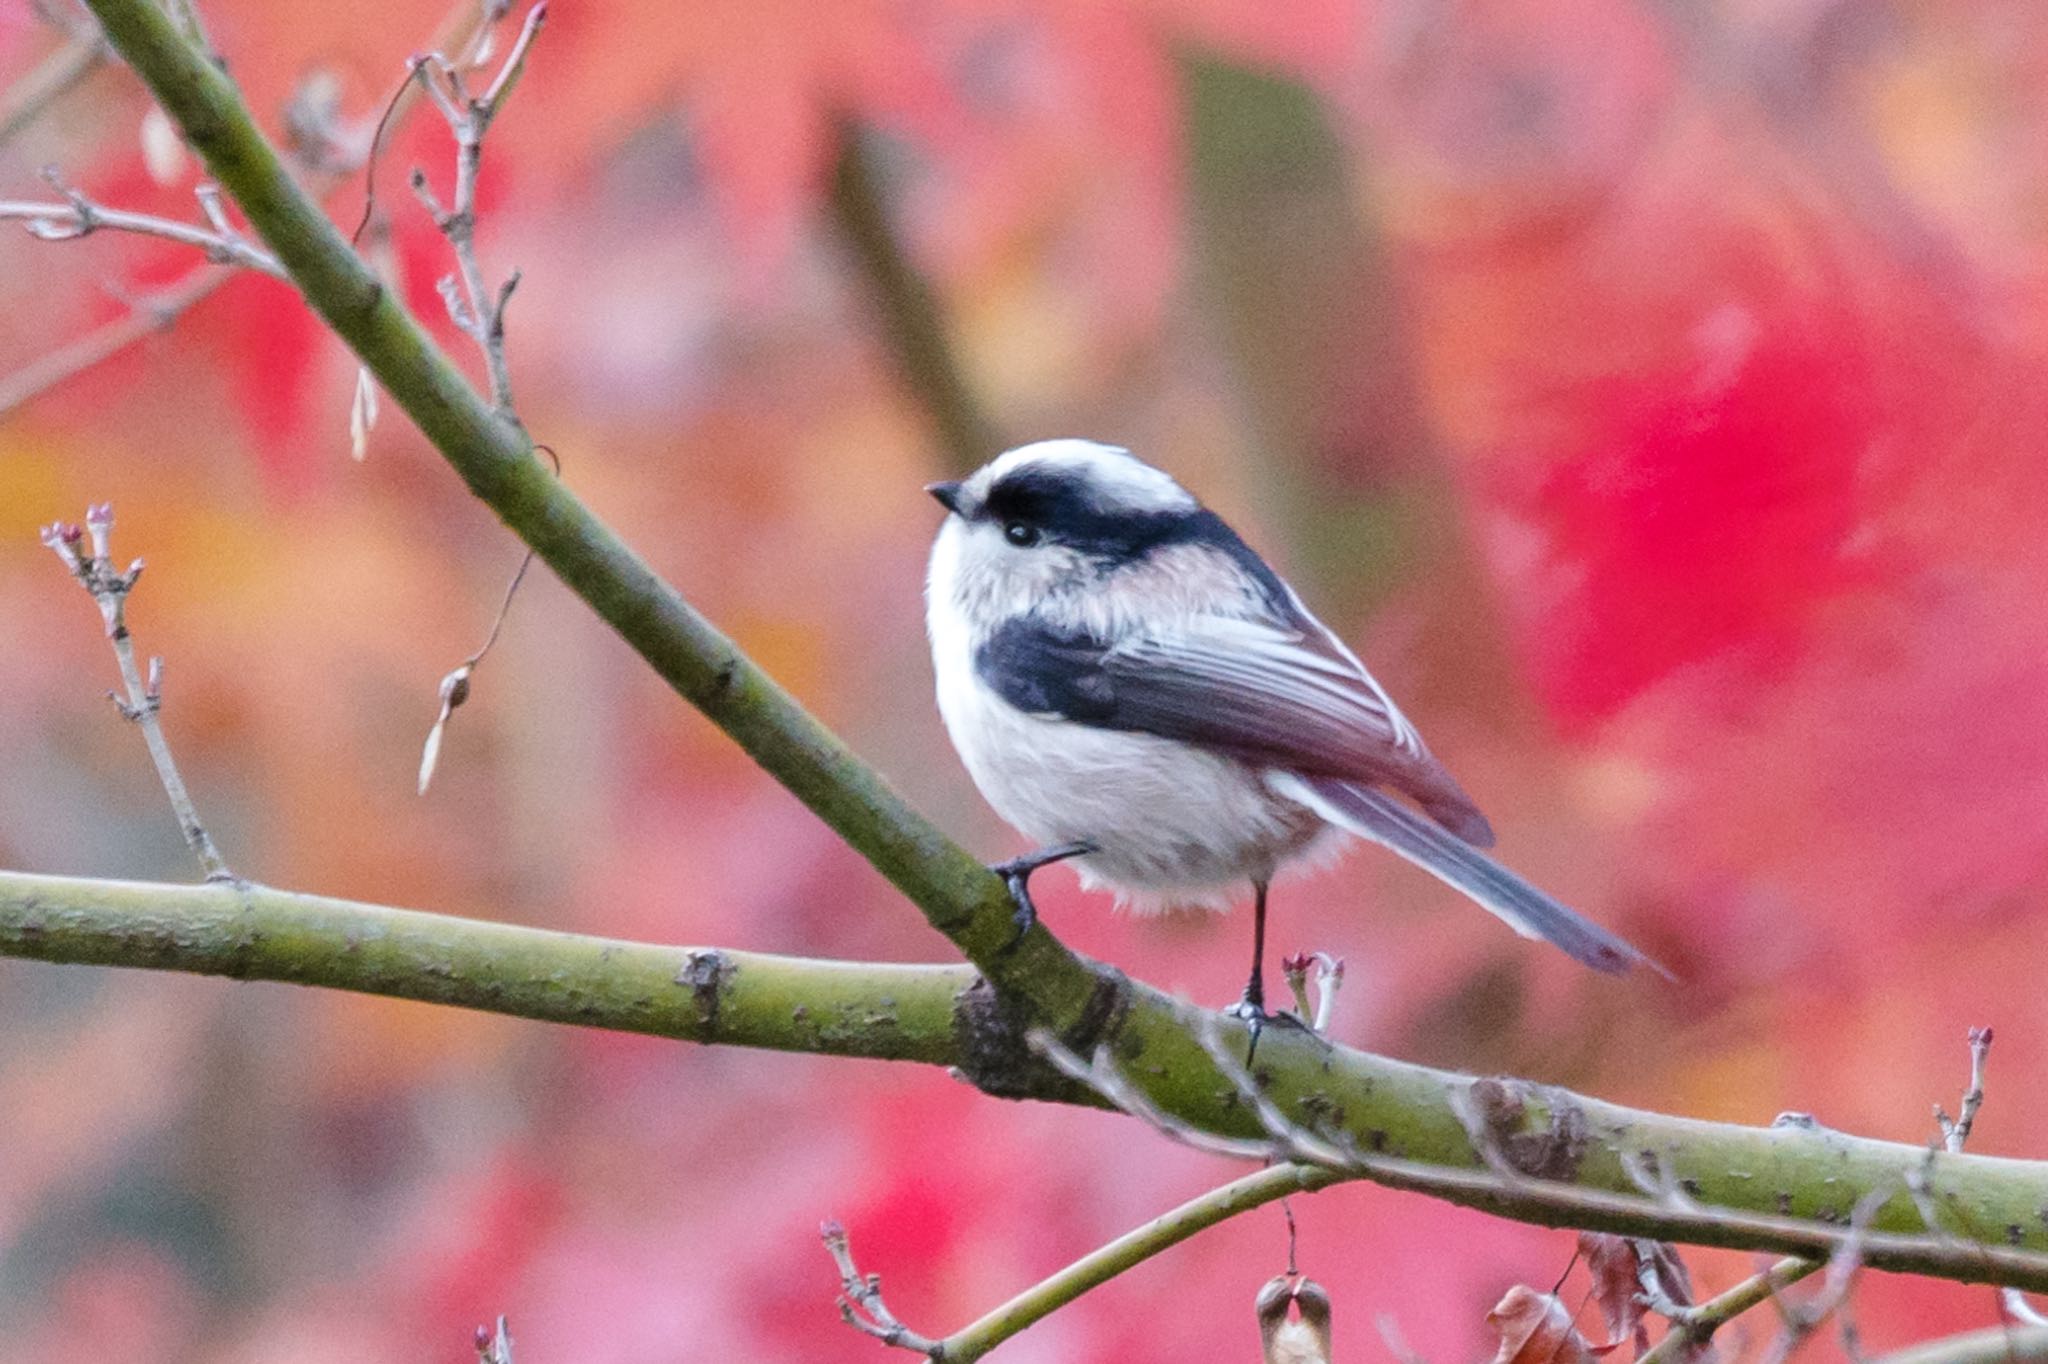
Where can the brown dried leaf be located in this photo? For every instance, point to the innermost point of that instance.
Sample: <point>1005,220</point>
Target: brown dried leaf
<point>1535,1329</point>
<point>1611,1262</point>
<point>1624,1271</point>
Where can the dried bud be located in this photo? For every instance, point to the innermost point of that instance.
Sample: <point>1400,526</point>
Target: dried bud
<point>163,151</point>
<point>1297,1336</point>
<point>454,691</point>
<point>362,414</point>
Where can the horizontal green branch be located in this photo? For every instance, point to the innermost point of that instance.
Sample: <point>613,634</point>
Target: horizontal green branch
<point>1557,1158</point>
<point>248,932</point>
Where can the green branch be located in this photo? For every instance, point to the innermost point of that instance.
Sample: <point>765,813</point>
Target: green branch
<point>1522,1150</point>
<point>250,932</point>
<point>1559,1156</point>
<point>1133,1248</point>
<point>1992,1345</point>
<point>1700,1323</point>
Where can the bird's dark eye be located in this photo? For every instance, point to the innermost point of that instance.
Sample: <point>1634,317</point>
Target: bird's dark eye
<point>1019,534</point>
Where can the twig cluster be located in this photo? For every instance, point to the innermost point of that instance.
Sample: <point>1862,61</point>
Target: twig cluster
<point>475,308</point>
<point>323,143</point>
<point>860,1299</point>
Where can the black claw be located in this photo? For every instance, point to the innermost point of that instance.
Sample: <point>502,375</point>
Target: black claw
<point>1256,1019</point>
<point>1019,882</point>
<point>1016,874</point>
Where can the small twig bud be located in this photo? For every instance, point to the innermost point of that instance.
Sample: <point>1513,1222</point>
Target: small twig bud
<point>1295,968</point>
<point>64,538</point>
<point>494,1346</point>
<point>99,523</point>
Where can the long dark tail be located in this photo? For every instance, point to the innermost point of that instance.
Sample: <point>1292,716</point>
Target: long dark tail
<point>1531,913</point>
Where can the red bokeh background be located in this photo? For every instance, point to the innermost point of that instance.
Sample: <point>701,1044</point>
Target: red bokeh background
<point>1654,394</point>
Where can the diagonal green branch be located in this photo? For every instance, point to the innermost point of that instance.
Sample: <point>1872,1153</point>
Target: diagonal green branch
<point>1568,1160</point>
<point>1134,1247</point>
<point>497,461</point>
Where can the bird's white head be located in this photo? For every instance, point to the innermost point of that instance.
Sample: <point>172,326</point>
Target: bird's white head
<point>1044,518</point>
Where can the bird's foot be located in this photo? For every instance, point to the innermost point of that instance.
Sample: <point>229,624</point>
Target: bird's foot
<point>1018,878</point>
<point>1016,874</point>
<point>1256,1018</point>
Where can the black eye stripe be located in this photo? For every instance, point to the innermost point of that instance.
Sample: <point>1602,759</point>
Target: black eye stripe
<point>1066,511</point>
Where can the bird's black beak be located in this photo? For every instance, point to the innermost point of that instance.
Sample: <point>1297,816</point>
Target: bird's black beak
<point>947,492</point>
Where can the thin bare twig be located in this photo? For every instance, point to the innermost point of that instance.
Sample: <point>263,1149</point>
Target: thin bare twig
<point>1843,1267</point>
<point>860,1299</point>
<point>1956,1131</point>
<point>1091,1271</point>
<point>79,216</point>
<point>149,314</point>
<point>109,588</point>
<point>1696,1325</point>
<point>50,80</point>
<point>477,311</point>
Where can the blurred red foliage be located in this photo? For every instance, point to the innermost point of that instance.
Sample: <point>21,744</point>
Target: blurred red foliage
<point>1714,569</point>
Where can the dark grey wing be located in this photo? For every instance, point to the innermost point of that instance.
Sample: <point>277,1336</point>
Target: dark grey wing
<point>1262,692</point>
<point>1529,911</point>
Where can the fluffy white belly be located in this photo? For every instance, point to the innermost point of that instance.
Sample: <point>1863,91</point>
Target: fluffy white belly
<point>1175,825</point>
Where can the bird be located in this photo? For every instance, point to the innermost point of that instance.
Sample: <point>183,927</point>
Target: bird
<point>1137,691</point>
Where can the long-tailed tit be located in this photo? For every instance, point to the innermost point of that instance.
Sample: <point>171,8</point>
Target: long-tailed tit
<point>1132,687</point>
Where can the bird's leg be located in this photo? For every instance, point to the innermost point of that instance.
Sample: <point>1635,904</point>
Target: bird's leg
<point>1252,1008</point>
<point>1016,874</point>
